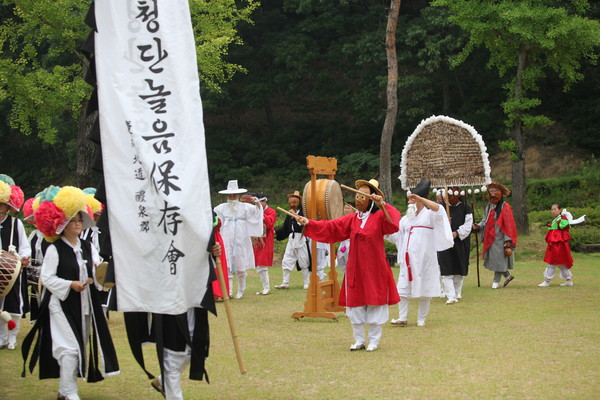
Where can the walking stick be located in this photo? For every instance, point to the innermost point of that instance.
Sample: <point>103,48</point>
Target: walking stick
<point>474,205</point>
<point>236,343</point>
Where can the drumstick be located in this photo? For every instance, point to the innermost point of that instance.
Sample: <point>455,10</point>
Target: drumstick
<point>291,214</point>
<point>88,282</point>
<point>236,343</point>
<point>358,191</point>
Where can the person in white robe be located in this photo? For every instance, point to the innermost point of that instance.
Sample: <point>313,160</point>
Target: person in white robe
<point>424,231</point>
<point>241,221</point>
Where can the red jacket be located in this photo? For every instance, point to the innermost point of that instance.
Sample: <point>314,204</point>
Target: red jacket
<point>263,247</point>
<point>368,279</point>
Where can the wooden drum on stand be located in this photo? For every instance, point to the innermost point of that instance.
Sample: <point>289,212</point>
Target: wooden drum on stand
<point>330,201</point>
<point>10,268</point>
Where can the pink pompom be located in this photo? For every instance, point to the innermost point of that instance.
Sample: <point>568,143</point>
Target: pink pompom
<point>343,249</point>
<point>48,217</point>
<point>16,198</point>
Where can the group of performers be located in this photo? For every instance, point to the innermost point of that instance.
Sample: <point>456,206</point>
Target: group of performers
<point>69,309</point>
<point>433,247</point>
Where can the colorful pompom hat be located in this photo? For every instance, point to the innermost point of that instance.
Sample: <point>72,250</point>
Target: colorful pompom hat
<point>11,194</point>
<point>95,205</point>
<point>56,207</point>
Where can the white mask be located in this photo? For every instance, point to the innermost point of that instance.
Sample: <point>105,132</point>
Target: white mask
<point>411,211</point>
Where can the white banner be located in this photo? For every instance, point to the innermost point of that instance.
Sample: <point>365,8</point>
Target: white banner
<point>153,152</point>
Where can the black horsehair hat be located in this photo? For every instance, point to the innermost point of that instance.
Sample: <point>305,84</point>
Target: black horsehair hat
<point>422,188</point>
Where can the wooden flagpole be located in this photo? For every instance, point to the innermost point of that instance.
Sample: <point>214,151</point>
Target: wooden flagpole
<point>234,336</point>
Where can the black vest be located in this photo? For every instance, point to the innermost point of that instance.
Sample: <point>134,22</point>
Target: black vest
<point>5,233</point>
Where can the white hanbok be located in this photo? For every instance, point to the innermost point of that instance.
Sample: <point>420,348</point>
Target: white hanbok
<point>418,241</point>
<point>240,222</point>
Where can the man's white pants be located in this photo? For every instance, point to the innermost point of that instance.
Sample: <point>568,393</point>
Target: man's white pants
<point>69,366</point>
<point>565,273</point>
<point>453,286</point>
<point>241,275</point>
<point>263,274</point>
<point>424,303</point>
<point>374,316</point>
<point>174,365</point>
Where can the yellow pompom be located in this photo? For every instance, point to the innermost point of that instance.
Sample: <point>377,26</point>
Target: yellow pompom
<point>51,239</point>
<point>94,204</point>
<point>36,203</point>
<point>70,200</point>
<point>5,192</point>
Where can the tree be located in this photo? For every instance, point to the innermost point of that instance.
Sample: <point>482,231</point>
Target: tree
<point>42,68</point>
<point>526,39</point>
<point>387,133</point>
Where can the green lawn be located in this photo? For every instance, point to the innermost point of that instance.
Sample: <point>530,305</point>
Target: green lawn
<point>519,342</point>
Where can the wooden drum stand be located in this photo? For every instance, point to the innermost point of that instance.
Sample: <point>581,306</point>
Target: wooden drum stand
<point>322,298</point>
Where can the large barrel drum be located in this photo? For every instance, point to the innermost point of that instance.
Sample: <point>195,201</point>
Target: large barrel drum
<point>10,267</point>
<point>330,201</point>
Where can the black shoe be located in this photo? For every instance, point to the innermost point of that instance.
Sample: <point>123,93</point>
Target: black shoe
<point>507,280</point>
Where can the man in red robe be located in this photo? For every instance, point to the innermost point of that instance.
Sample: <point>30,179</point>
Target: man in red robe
<point>368,287</point>
<point>500,234</point>
<point>263,246</point>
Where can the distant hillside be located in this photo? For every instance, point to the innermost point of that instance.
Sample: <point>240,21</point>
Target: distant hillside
<point>540,162</point>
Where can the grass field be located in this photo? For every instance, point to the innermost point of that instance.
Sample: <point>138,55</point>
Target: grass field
<point>519,342</point>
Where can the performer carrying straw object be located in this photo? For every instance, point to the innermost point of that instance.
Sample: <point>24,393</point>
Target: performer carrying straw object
<point>448,152</point>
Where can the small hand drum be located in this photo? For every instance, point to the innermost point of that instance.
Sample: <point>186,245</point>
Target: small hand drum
<point>101,275</point>
<point>10,267</point>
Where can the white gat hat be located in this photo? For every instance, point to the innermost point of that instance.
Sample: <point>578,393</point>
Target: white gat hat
<point>232,188</point>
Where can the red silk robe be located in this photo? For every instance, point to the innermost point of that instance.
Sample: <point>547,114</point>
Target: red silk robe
<point>558,251</point>
<point>368,279</point>
<point>216,286</point>
<point>263,247</point>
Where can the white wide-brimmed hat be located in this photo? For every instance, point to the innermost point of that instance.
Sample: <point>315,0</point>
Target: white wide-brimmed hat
<point>232,188</point>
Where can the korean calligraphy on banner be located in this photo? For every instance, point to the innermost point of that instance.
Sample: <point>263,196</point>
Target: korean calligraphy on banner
<point>154,154</point>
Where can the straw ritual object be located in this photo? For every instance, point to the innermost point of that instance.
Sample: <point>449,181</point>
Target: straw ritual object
<point>446,151</point>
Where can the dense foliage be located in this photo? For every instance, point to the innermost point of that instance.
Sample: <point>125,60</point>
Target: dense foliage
<point>314,83</point>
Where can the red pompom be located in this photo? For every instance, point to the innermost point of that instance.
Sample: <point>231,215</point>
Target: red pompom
<point>48,217</point>
<point>11,325</point>
<point>28,210</point>
<point>16,197</point>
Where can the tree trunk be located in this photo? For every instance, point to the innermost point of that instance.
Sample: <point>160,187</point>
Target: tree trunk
<point>445,89</point>
<point>519,186</point>
<point>85,147</point>
<point>85,150</point>
<point>385,148</point>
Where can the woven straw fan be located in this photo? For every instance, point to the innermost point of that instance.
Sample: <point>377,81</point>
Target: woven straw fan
<point>446,151</point>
